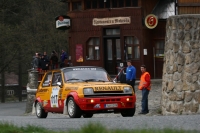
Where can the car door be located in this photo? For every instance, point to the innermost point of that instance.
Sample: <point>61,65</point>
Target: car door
<point>44,91</point>
<point>55,99</point>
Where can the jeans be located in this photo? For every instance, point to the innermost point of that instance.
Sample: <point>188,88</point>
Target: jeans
<point>132,83</point>
<point>145,94</point>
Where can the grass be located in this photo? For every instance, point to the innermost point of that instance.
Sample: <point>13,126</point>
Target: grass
<point>89,128</point>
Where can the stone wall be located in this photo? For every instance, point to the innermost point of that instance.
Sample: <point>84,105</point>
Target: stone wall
<point>181,71</point>
<point>31,89</point>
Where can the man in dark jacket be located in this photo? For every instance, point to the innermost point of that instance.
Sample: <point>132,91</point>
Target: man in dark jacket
<point>54,59</point>
<point>44,63</point>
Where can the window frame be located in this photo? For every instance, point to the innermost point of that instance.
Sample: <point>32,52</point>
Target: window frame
<point>76,8</point>
<point>132,45</point>
<point>156,49</point>
<point>94,44</point>
<point>45,79</point>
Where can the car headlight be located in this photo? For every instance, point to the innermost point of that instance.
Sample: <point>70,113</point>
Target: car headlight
<point>128,89</point>
<point>88,91</point>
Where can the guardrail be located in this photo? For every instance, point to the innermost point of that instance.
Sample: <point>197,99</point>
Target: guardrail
<point>12,93</point>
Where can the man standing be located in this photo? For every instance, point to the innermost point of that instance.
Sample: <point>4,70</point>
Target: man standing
<point>145,86</point>
<point>130,74</point>
<point>62,58</point>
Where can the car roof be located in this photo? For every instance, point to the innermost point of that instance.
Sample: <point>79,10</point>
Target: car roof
<point>80,67</point>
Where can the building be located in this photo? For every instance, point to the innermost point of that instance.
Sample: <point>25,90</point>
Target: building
<point>106,33</point>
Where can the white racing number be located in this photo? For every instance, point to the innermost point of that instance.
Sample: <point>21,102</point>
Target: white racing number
<point>54,97</point>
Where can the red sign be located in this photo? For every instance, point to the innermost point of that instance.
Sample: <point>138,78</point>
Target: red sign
<point>151,21</point>
<point>79,53</point>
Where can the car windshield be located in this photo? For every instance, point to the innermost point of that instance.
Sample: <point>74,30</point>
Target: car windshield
<point>86,75</point>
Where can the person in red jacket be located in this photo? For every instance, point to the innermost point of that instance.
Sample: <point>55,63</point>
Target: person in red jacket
<point>145,87</point>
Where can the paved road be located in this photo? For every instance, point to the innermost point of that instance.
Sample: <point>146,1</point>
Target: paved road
<point>14,113</point>
<point>12,108</point>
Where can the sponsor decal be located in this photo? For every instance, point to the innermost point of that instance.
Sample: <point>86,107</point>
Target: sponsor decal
<point>151,21</point>
<point>54,97</point>
<point>45,102</point>
<point>42,90</point>
<point>60,102</point>
<point>82,69</point>
<point>108,88</point>
<point>97,106</point>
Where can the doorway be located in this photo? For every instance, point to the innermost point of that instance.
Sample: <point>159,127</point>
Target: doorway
<point>112,50</point>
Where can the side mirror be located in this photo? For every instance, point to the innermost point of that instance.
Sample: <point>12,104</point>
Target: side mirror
<point>114,80</point>
<point>59,84</point>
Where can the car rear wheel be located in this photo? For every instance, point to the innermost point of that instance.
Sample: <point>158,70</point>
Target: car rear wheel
<point>40,113</point>
<point>73,109</point>
<point>87,115</point>
<point>128,112</point>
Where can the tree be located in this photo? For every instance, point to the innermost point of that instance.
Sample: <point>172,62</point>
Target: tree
<point>28,26</point>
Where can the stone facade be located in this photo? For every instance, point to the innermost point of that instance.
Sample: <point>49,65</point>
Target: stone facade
<point>181,71</point>
<point>31,89</point>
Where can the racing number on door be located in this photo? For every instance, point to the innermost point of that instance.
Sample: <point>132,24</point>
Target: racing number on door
<point>54,97</point>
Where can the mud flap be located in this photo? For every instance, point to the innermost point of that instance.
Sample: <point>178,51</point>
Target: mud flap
<point>65,112</point>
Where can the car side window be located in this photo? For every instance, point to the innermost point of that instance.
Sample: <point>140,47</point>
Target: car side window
<point>47,80</point>
<point>56,78</point>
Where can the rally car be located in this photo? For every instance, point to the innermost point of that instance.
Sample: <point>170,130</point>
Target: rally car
<point>82,91</point>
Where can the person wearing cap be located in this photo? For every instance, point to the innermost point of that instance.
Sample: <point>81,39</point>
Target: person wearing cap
<point>130,74</point>
<point>145,87</point>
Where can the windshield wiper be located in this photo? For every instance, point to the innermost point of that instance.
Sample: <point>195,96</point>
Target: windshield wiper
<point>90,80</point>
<point>101,80</point>
<point>73,79</point>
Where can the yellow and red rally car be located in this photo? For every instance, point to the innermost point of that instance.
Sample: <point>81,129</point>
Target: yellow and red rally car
<point>82,90</point>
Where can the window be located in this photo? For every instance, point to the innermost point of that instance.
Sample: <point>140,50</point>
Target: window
<point>56,78</point>
<point>93,49</point>
<point>128,3</point>
<point>76,6</point>
<point>159,48</point>
<point>108,32</point>
<point>134,3</point>
<point>132,47</point>
<point>94,4</point>
<point>101,3</point>
<point>121,3</point>
<point>107,3</point>
<point>88,4</point>
<point>47,79</point>
<point>114,3</point>
<point>118,49</point>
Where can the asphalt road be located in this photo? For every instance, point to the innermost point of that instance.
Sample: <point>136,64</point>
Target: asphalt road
<point>14,113</point>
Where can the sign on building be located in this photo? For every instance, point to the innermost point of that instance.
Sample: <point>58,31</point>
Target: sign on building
<point>62,22</point>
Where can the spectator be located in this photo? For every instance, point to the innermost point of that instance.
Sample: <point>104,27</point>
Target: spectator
<point>44,63</point>
<point>62,58</point>
<point>145,87</point>
<point>54,59</point>
<point>36,61</point>
<point>46,57</point>
<point>130,74</point>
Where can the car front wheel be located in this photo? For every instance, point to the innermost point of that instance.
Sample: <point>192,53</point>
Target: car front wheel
<point>128,112</point>
<point>73,109</point>
<point>40,113</point>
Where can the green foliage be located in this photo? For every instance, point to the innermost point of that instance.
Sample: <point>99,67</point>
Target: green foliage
<point>28,26</point>
<point>89,128</point>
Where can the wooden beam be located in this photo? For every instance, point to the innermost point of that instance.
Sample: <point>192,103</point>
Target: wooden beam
<point>189,4</point>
